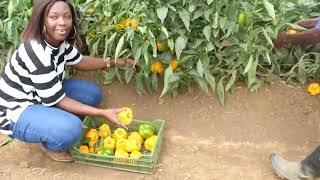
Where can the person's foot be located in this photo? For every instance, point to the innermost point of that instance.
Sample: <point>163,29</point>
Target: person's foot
<point>287,169</point>
<point>57,156</point>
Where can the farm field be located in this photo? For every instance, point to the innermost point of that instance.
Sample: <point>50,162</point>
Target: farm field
<point>202,140</point>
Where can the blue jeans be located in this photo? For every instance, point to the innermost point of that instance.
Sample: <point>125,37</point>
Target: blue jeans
<point>56,129</point>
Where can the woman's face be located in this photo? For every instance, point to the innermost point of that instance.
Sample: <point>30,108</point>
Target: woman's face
<point>58,23</point>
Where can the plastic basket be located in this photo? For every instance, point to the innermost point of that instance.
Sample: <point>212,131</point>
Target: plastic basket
<point>146,164</point>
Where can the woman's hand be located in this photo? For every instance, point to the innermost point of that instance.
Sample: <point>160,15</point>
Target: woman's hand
<point>128,61</point>
<point>111,115</point>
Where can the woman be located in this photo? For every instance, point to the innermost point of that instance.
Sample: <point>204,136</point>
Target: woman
<point>37,105</point>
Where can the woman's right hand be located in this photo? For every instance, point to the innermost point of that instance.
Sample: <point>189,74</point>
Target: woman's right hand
<point>111,115</point>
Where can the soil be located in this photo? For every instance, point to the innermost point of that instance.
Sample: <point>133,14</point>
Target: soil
<point>202,139</point>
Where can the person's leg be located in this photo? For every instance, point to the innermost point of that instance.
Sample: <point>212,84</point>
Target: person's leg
<point>56,129</point>
<point>83,91</point>
<point>311,164</point>
<point>308,168</point>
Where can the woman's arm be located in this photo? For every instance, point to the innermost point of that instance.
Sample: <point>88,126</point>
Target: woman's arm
<point>78,108</point>
<point>89,63</point>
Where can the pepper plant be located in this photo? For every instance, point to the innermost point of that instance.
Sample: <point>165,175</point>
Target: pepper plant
<point>177,43</point>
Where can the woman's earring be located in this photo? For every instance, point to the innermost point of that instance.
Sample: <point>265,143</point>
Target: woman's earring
<point>75,32</point>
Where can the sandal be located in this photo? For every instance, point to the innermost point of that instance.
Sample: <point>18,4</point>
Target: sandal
<point>58,156</point>
<point>4,139</point>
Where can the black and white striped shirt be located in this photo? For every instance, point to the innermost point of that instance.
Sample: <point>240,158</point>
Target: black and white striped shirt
<point>33,75</point>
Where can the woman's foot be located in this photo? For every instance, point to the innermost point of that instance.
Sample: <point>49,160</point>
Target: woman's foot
<point>57,156</point>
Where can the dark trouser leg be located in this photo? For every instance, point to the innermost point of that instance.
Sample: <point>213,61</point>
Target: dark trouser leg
<point>311,164</point>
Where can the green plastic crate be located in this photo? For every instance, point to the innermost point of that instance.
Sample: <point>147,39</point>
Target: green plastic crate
<point>146,164</point>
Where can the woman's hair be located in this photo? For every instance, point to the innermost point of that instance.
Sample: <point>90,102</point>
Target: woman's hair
<point>40,10</point>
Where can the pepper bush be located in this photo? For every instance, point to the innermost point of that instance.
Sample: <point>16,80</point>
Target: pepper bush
<point>177,43</point>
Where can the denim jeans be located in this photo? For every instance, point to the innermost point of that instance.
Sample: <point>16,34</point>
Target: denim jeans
<point>56,129</point>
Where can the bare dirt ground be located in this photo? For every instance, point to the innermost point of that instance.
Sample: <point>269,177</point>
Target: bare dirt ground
<point>202,140</point>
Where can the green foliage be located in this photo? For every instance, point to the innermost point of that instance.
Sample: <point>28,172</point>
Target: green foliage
<point>14,16</point>
<point>215,47</point>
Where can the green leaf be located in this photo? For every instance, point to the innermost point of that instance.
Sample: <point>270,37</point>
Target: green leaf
<point>200,68</point>
<point>180,44</point>
<point>162,13</point>
<point>168,72</point>
<point>255,86</point>
<point>172,8</point>
<point>137,54</point>
<point>106,45</point>
<point>9,28</point>
<point>1,26</point>
<point>9,53</point>
<point>119,47</point>
<point>173,78</point>
<point>143,29</point>
<point>152,40</point>
<point>110,41</point>
<point>138,84</point>
<point>109,76</point>
<point>130,35</point>
<point>296,26</point>
<point>197,14</point>
<point>94,48</point>
<point>267,36</point>
<point>211,80</point>
<point>128,74</point>
<point>185,17</point>
<point>210,47</point>
<point>207,14</point>
<point>248,66</point>
<point>118,75</point>
<point>165,31</point>
<point>154,81</point>
<point>203,85</point>
<point>222,22</point>
<point>146,54</point>
<point>220,91</point>
<point>270,9</point>
<point>231,81</point>
<point>171,44</point>
<point>302,74</point>
<point>207,32</point>
<point>252,73</point>
<point>11,9</point>
<point>216,20</point>
<point>268,57</point>
<point>209,2</point>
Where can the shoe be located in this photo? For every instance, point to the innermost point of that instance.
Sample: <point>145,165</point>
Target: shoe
<point>57,156</point>
<point>287,169</point>
<point>4,139</point>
